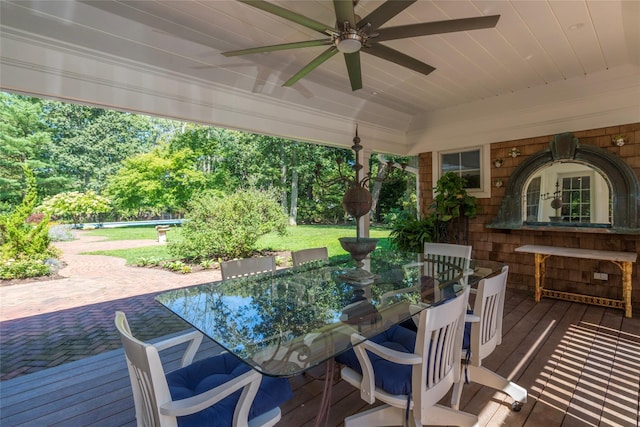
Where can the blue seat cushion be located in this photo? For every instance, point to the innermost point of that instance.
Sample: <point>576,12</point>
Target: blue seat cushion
<point>389,376</point>
<point>466,341</point>
<point>209,373</point>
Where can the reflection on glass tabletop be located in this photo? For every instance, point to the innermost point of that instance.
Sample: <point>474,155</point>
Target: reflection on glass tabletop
<point>286,323</point>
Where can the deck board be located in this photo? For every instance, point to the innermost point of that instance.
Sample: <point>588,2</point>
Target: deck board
<point>580,363</point>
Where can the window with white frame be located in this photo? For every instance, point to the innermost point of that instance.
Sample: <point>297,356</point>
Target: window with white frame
<point>576,198</point>
<point>472,164</point>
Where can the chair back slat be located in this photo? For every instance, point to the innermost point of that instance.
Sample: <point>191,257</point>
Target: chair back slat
<point>149,385</point>
<point>444,262</point>
<point>148,414</point>
<point>247,267</point>
<point>305,256</point>
<point>487,334</point>
<point>439,340</point>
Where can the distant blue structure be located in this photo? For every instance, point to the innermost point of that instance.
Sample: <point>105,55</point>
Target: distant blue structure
<point>130,223</point>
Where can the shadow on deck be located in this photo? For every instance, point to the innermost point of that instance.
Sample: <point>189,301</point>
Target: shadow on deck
<point>580,364</point>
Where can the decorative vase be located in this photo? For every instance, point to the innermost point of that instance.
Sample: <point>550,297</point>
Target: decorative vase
<point>359,248</point>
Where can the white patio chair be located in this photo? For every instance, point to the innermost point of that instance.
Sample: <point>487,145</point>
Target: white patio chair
<point>482,335</point>
<point>410,372</point>
<point>247,267</point>
<point>304,256</point>
<point>171,399</point>
<point>442,265</point>
<point>458,255</point>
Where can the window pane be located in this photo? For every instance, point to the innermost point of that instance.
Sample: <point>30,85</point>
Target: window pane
<point>465,164</point>
<point>533,199</point>
<point>470,160</point>
<point>450,162</point>
<point>473,178</point>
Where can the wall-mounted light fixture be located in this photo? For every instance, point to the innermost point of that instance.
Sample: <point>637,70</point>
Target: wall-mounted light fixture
<point>618,140</point>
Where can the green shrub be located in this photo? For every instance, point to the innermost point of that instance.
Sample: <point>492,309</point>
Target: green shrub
<point>207,263</point>
<point>23,268</point>
<point>228,227</point>
<point>19,239</point>
<point>75,205</point>
<point>177,266</point>
<point>147,262</point>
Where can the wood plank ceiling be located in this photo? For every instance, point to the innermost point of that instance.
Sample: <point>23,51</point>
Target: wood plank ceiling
<point>548,66</point>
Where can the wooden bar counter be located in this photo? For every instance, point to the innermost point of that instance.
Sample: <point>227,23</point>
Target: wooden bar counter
<point>623,260</point>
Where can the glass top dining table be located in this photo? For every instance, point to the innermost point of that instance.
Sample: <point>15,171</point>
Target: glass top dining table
<point>286,323</point>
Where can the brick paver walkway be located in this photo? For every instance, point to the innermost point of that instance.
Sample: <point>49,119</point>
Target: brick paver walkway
<point>48,323</point>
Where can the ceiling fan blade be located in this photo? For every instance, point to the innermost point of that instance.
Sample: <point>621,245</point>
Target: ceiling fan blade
<point>384,52</point>
<point>385,12</point>
<point>353,67</point>
<point>289,15</point>
<point>344,12</point>
<point>324,56</point>
<point>438,27</point>
<point>284,46</point>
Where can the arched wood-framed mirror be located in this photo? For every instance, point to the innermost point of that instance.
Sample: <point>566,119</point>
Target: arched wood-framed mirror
<point>568,193</point>
<point>616,211</point>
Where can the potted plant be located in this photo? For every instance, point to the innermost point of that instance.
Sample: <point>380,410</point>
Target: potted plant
<point>410,234</point>
<point>451,201</point>
<point>452,207</point>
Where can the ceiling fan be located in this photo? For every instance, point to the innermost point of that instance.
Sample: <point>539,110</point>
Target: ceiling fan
<point>352,35</point>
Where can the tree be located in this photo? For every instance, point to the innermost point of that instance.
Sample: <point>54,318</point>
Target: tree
<point>293,173</point>
<point>90,143</point>
<point>163,180</point>
<point>75,205</point>
<point>25,142</point>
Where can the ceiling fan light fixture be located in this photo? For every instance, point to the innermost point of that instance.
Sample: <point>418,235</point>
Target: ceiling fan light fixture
<point>349,42</point>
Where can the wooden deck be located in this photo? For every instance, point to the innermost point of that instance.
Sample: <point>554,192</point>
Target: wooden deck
<point>580,363</point>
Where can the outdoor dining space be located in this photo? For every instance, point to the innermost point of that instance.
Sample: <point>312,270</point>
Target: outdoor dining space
<point>578,363</point>
<point>506,291</point>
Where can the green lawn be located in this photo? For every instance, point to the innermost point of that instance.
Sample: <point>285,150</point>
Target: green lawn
<point>300,237</point>
<point>311,236</point>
